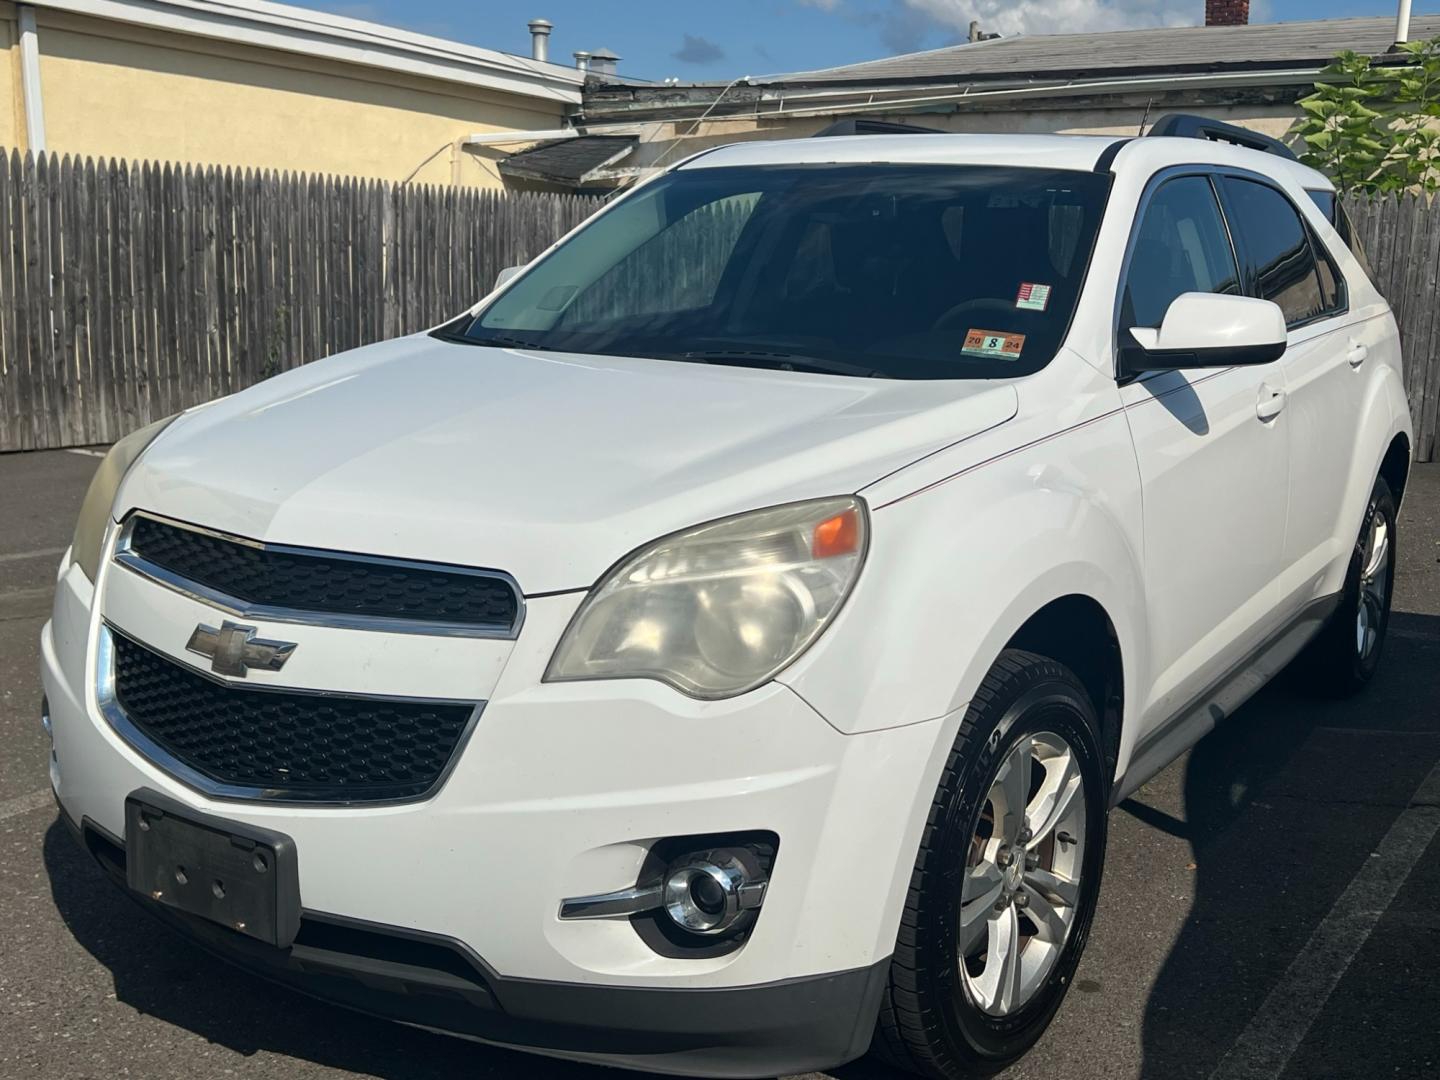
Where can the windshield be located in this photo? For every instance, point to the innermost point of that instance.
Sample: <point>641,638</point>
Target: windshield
<point>899,271</point>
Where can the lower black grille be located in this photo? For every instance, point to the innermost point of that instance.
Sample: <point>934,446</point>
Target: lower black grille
<point>288,744</point>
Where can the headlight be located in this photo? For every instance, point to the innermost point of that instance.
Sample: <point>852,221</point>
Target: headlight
<point>100,498</point>
<point>719,609</point>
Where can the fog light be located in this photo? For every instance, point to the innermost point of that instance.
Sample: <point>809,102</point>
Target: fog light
<point>45,716</point>
<point>703,892</point>
<point>708,892</point>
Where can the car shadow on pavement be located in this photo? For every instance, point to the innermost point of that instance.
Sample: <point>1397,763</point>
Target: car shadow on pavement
<point>160,974</point>
<point>1283,804</point>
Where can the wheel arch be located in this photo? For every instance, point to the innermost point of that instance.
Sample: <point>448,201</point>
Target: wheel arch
<point>1395,465</point>
<point>1383,448</point>
<point>1077,631</point>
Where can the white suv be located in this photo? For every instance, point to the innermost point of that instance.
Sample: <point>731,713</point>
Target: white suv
<point>725,641</point>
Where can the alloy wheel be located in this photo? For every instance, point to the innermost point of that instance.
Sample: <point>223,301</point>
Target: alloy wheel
<point>1021,889</point>
<point>1374,584</point>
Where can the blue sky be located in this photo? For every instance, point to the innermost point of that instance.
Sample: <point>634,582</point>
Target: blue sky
<point>724,39</point>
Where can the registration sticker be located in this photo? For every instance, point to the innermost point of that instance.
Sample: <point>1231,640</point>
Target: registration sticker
<point>1033,297</point>
<point>991,343</point>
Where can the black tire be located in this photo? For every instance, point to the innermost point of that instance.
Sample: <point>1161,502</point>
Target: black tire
<point>929,1023</point>
<point>1334,664</point>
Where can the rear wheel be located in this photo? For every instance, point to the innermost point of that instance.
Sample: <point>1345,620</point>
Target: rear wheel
<point>1346,654</point>
<point>1005,884</point>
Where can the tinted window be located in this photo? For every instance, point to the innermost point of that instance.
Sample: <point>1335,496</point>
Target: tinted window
<point>1327,203</point>
<point>1332,283</point>
<point>1352,239</point>
<point>905,271</point>
<point>1335,213</point>
<point>1181,247</point>
<point>1276,248</point>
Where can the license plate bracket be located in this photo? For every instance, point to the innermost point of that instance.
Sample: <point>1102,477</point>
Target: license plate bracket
<point>237,875</point>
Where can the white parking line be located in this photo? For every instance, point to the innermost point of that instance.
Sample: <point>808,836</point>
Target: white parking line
<point>39,553</point>
<point>24,804</point>
<point>87,453</point>
<point>1281,1023</point>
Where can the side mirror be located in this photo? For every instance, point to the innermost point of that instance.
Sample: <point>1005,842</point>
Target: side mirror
<point>506,274</point>
<point>1202,330</point>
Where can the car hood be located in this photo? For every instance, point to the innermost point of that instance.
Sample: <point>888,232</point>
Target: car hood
<point>550,466</point>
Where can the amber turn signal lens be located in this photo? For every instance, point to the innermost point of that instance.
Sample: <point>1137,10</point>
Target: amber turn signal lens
<point>839,535</point>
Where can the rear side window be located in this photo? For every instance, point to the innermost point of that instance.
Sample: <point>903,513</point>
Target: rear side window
<point>1279,257</point>
<point>1181,246</point>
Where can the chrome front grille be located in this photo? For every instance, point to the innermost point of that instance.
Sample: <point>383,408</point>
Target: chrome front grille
<point>281,583</point>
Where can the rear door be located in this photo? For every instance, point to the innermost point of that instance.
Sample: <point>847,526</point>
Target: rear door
<point>1213,459</point>
<point>1282,259</point>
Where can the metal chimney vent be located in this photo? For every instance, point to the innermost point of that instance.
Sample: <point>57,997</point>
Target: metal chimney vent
<point>540,38</point>
<point>603,62</point>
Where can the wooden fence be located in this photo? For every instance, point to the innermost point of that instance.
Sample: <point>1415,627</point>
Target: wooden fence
<point>129,292</point>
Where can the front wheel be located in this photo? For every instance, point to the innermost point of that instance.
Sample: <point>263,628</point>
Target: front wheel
<point>1006,880</point>
<point>1346,653</point>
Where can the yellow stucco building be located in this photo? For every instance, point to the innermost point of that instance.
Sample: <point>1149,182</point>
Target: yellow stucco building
<point>264,85</point>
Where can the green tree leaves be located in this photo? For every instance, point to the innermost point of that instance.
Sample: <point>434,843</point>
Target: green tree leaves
<point>1376,129</point>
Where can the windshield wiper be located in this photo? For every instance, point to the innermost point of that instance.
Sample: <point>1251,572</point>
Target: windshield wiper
<point>782,361</point>
<point>499,341</point>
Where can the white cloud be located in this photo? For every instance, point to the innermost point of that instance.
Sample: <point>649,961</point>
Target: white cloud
<point>1058,16</point>
<point>823,5</point>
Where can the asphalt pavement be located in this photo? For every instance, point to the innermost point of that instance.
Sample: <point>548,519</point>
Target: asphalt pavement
<point>1268,910</point>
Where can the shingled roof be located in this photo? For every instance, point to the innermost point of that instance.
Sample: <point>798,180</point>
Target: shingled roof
<point>1269,46</point>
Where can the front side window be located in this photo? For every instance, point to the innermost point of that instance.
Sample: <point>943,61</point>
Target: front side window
<point>1278,254</point>
<point>1181,246</point>
<point>898,271</point>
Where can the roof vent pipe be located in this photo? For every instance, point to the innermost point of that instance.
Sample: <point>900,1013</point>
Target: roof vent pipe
<point>540,38</point>
<point>1402,23</point>
<point>582,59</point>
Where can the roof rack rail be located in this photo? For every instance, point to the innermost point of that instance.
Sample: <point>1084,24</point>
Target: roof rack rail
<point>859,125</point>
<point>1186,126</point>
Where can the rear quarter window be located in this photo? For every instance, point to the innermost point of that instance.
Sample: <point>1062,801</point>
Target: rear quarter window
<point>1335,213</point>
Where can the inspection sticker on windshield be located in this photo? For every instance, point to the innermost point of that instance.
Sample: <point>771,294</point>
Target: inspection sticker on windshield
<point>996,345</point>
<point>1033,297</point>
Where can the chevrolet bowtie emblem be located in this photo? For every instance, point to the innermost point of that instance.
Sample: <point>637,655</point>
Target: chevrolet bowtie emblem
<point>234,649</point>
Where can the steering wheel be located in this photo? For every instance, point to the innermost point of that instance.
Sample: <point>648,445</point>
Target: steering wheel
<point>986,313</point>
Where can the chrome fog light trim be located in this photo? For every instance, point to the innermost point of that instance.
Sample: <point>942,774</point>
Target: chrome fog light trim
<point>708,893</point>
<point>612,905</point>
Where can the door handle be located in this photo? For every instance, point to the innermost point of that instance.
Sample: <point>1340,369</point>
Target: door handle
<point>1272,400</point>
<point>1356,355</point>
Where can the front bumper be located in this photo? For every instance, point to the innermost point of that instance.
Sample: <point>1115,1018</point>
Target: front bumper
<point>792,1026</point>
<point>561,792</point>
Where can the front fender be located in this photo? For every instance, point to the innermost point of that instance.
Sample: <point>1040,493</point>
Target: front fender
<point>956,569</point>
